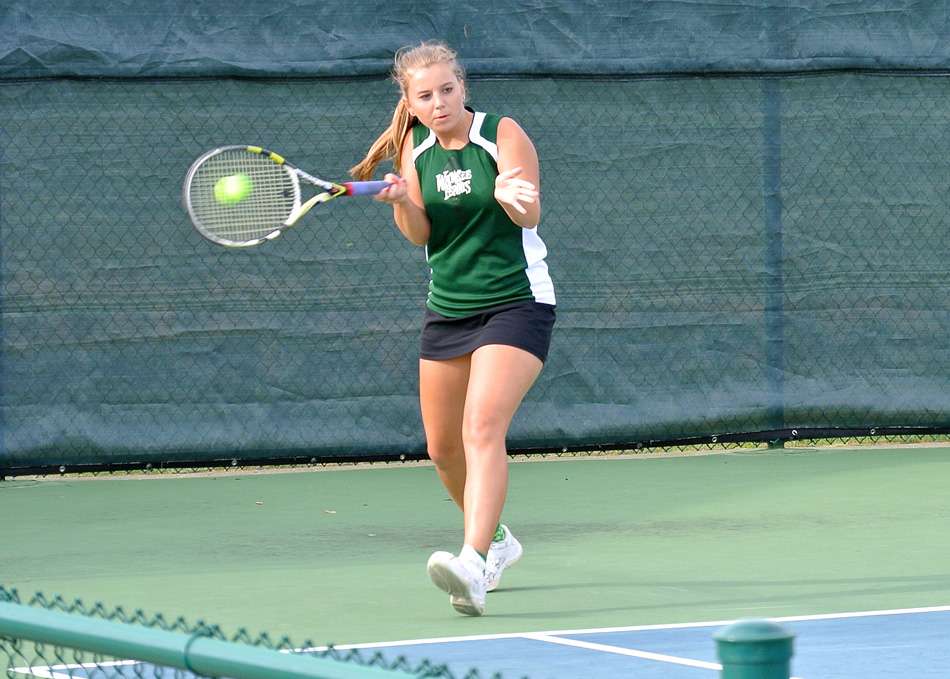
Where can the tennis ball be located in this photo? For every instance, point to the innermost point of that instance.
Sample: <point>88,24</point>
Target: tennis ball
<point>233,188</point>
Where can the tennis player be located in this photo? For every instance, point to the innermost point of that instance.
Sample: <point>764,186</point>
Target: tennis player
<point>466,187</point>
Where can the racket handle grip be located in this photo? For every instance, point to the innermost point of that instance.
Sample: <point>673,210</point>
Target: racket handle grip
<point>364,188</point>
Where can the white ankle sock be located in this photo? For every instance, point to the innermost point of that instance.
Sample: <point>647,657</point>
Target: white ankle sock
<point>470,554</point>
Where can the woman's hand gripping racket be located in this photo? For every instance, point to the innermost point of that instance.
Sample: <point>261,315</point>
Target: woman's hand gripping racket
<point>244,195</point>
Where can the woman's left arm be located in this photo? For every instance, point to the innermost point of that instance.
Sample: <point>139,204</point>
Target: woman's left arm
<point>516,187</point>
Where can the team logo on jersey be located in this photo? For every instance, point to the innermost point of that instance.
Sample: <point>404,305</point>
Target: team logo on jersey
<point>454,183</point>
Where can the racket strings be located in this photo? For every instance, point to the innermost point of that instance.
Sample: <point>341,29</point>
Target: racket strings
<point>274,195</point>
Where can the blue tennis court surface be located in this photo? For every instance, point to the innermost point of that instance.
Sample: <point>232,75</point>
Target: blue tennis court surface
<point>912,643</point>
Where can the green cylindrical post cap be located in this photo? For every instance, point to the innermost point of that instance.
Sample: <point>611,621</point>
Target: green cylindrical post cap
<point>755,649</point>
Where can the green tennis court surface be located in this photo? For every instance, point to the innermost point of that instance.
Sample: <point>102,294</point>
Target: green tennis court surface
<point>338,556</point>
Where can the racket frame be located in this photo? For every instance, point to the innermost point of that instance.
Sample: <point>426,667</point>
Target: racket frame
<point>330,190</point>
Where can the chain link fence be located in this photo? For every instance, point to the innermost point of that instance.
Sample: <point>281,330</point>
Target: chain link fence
<point>732,256</point>
<point>68,639</point>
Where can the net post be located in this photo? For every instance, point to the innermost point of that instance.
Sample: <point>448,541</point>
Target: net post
<point>755,649</point>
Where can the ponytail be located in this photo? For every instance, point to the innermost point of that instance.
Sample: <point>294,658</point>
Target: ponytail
<point>388,145</point>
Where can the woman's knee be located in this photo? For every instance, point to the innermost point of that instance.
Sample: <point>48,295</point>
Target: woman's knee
<point>446,456</point>
<point>484,431</point>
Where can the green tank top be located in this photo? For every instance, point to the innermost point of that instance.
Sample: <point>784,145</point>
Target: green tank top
<point>478,258</point>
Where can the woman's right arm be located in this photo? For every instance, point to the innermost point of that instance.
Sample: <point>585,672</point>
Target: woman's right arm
<point>405,195</point>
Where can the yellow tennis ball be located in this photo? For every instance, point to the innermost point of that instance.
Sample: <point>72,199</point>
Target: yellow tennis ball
<point>233,188</point>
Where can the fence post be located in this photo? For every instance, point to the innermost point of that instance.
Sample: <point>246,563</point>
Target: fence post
<point>774,255</point>
<point>755,649</point>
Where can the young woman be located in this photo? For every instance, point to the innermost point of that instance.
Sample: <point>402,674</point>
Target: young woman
<point>466,189</point>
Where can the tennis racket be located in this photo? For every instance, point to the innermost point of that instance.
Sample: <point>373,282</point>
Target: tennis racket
<point>240,196</point>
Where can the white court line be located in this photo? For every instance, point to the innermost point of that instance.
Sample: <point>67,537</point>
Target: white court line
<point>864,614</point>
<point>57,671</point>
<point>645,655</point>
<point>603,648</point>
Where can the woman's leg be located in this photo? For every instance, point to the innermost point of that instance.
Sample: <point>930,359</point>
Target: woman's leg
<point>499,376</point>
<point>467,406</point>
<point>442,387</point>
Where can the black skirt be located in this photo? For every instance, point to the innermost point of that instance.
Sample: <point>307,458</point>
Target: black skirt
<point>525,325</point>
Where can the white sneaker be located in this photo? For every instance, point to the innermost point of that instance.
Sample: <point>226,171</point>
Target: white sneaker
<point>501,555</point>
<point>462,579</point>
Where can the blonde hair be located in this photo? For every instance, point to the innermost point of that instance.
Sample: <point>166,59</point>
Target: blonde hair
<point>408,60</point>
